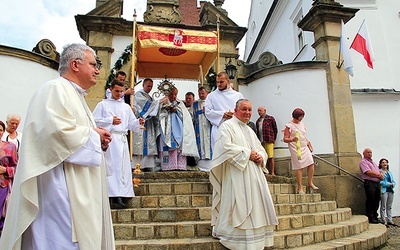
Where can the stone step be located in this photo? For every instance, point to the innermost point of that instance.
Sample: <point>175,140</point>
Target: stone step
<point>173,188</point>
<point>182,176</point>
<point>196,229</point>
<point>373,238</point>
<point>353,234</point>
<point>317,234</point>
<point>301,208</point>
<point>297,221</point>
<point>166,230</point>
<point>289,214</point>
<point>199,187</point>
<point>285,204</point>
<point>156,201</point>
<point>208,243</point>
<point>146,215</point>
<point>174,176</point>
<point>295,198</point>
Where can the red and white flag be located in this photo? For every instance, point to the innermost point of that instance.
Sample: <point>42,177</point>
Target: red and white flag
<point>362,44</point>
<point>345,51</point>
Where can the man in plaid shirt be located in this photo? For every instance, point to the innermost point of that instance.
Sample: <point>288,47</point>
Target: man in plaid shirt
<point>266,133</point>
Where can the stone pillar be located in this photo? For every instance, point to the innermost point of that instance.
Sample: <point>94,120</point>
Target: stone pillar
<point>324,19</point>
<point>100,2</point>
<point>101,42</point>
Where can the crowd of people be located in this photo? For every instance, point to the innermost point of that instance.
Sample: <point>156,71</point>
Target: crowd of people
<point>83,166</point>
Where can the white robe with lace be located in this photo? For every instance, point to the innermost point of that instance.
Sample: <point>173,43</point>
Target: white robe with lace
<point>217,103</point>
<point>118,161</point>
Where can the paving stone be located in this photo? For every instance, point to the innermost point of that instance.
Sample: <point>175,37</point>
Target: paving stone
<point>199,201</point>
<point>182,188</point>
<point>124,215</point>
<point>158,189</point>
<point>183,201</point>
<point>201,188</point>
<point>165,231</point>
<point>185,231</point>
<point>167,201</point>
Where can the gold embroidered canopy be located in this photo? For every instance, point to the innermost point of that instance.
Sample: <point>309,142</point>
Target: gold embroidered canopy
<point>176,53</point>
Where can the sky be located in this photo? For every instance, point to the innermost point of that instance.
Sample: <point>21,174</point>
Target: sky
<point>23,23</point>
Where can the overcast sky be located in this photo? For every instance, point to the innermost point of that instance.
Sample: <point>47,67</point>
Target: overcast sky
<point>23,23</point>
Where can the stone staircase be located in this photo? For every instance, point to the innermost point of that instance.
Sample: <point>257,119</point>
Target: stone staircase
<point>172,210</point>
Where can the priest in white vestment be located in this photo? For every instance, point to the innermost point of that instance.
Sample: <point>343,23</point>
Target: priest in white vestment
<point>116,116</point>
<point>243,215</point>
<point>59,197</point>
<point>220,104</point>
<point>202,129</point>
<point>144,144</point>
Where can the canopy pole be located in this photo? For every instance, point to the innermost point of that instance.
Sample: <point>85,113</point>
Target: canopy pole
<point>133,74</point>
<point>201,75</point>
<point>218,46</point>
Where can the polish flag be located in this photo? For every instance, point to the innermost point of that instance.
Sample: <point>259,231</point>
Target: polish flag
<point>345,51</point>
<point>362,44</point>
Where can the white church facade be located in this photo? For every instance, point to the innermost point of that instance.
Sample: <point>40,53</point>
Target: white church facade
<point>375,93</point>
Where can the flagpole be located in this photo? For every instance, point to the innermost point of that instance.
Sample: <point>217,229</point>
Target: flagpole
<point>339,64</point>
<point>218,46</point>
<point>133,73</point>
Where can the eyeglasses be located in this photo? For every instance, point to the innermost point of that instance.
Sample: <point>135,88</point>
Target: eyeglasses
<point>96,65</point>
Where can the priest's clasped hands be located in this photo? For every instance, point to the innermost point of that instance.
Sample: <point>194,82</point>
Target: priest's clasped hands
<point>255,157</point>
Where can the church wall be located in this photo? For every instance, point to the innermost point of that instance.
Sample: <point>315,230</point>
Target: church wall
<point>19,83</point>
<point>282,92</point>
<point>257,15</point>
<point>280,35</point>
<point>383,20</point>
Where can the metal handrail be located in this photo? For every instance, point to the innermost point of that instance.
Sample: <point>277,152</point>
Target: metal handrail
<point>341,169</point>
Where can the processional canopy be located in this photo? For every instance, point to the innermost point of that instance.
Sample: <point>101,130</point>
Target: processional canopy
<point>177,53</point>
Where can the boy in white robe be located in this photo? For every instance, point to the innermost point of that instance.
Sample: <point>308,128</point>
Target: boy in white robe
<point>117,117</point>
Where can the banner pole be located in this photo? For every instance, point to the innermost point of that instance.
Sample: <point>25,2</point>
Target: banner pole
<point>133,74</point>
<point>218,46</point>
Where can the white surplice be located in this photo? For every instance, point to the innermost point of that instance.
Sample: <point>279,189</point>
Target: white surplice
<point>217,103</point>
<point>118,162</point>
<point>243,214</point>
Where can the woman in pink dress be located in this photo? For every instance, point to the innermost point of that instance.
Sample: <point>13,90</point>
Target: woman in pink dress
<point>300,149</point>
<point>8,163</point>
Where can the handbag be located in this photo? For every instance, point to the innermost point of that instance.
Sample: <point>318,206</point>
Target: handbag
<point>310,147</point>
